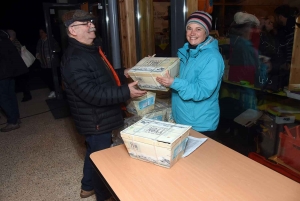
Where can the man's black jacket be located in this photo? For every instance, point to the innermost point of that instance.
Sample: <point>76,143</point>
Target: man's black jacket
<point>93,95</point>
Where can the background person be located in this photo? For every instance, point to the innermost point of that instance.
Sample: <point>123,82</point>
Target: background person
<point>94,94</point>
<point>11,65</point>
<point>286,30</point>
<point>270,47</point>
<point>22,81</point>
<point>243,57</point>
<point>195,91</point>
<point>47,59</point>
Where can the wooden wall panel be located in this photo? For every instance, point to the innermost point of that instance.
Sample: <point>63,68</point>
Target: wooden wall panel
<point>146,28</point>
<point>127,33</point>
<point>192,6</point>
<point>294,82</point>
<point>85,6</point>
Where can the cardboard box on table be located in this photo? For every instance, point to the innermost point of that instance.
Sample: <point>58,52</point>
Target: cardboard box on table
<point>146,71</point>
<point>157,142</point>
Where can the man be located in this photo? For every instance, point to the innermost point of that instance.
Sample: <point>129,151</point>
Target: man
<point>286,31</point>
<point>11,65</point>
<point>47,59</point>
<point>93,94</point>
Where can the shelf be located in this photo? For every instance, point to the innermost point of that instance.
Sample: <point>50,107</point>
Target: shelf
<point>281,93</point>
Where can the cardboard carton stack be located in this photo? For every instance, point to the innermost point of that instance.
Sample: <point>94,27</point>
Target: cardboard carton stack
<point>157,142</point>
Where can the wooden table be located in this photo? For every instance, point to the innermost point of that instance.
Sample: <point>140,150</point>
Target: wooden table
<point>212,172</point>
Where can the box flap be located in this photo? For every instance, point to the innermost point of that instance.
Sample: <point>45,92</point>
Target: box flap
<point>153,64</point>
<point>147,130</point>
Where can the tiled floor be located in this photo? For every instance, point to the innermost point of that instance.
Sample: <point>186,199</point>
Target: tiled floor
<point>41,161</point>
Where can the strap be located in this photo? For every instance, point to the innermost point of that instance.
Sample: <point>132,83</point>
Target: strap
<point>116,77</point>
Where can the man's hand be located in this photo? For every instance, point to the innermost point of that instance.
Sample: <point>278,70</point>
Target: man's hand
<point>134,91</point>
<point>166,81</point>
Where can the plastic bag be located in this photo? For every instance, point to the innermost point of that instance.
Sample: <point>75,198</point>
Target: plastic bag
<point>27,57</point>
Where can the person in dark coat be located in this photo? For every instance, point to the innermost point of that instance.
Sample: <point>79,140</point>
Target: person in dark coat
<point>95,93</point>
<point>22,81</point>
<point>286,31</point>
<point>48,60</point>
<point>11,65</point>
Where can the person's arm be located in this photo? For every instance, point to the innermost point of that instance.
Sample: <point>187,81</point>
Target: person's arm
<point>78,77</point>
<point>18,45</point>
<point>38,49</point>
<point>204,84</point>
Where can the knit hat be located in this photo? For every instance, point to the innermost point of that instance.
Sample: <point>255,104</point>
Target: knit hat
<point>76,15</point>
<point>242,18</point>
<point>202,18</point>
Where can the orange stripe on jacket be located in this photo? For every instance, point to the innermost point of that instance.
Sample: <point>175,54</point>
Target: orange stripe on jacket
<point>116,77</point>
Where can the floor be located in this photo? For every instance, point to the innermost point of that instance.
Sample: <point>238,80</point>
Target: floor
<point>42,160</point>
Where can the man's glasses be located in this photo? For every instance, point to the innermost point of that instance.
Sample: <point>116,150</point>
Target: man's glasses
<point>89,22</point>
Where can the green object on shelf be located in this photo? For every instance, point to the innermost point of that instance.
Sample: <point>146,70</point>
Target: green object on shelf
<point>242,82</point>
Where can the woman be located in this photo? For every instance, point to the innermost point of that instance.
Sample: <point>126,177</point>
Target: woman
<point>195,91</point>
<point>243,58</point>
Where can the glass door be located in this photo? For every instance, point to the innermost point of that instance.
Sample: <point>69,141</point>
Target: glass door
<point>55,28</point>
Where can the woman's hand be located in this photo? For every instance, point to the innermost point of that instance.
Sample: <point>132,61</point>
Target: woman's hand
<point>126,72</point>
<point>166,81</point>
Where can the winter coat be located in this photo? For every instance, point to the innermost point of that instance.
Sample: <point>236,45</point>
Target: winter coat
<point>17,44</point>
<point>243,60</point>
<point>195,91</point>
<point>11,62</point>
<point>93,95</point>
<point>43,53</point>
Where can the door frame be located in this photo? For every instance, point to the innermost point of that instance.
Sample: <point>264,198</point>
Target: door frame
<point>46,9</point>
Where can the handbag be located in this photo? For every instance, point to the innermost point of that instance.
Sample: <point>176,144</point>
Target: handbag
<point>27,57</point>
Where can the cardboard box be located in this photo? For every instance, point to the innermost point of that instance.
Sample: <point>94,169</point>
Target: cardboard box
<point>144,104</point>
<point>146,71</point>
<point>157,142</point>
<point>157,114</point>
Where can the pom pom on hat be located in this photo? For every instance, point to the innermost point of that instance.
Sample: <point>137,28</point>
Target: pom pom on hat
<point>202,18</point>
